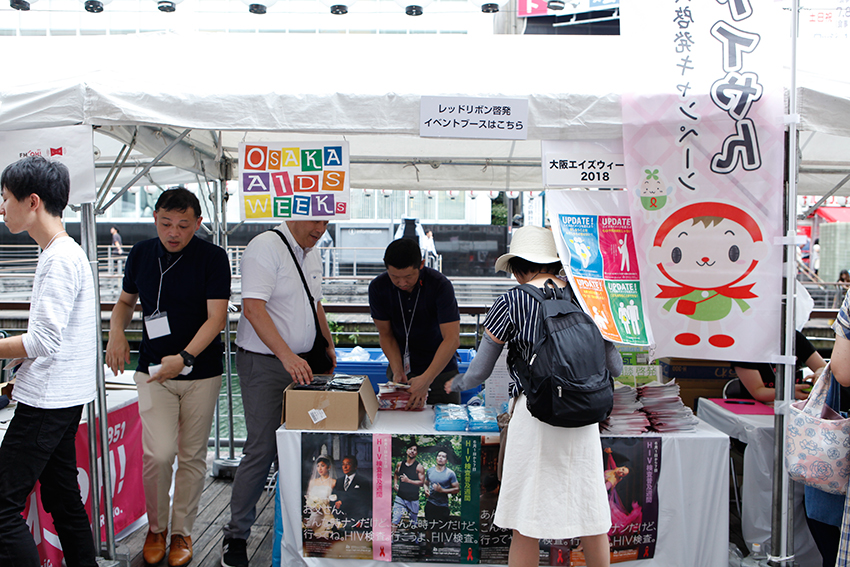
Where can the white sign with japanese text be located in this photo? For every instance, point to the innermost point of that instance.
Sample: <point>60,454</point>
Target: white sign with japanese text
<point>582,164</point>
<point>473,117</point>
<point>704,149</point>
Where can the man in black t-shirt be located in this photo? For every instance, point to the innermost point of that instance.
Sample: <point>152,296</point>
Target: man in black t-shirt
<point>418,321</point>
<point>183,284</point>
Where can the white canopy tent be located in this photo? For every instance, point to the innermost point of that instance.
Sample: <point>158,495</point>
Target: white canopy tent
<point>206,93</point>
<point>232,87</point>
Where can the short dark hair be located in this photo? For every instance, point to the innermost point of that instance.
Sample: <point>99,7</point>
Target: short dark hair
<point>412,444</point>
<point>522,266</point>
<point>325,460</point>
<point>50,180</point>
<point>178,199</point>
<point>403,253</point>
<point>351,458</point>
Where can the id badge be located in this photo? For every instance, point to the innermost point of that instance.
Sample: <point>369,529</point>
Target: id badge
<point>406,360</point>
<point>157,325</point>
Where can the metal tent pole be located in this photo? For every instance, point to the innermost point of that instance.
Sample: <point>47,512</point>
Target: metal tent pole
<point>782,519</point>
<point>101,470</point>
<point>225,468</point>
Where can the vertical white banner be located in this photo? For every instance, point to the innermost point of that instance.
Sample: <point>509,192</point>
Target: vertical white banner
<point>704,148</point>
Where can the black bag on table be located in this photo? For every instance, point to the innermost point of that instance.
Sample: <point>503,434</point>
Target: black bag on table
<point>566,379</point>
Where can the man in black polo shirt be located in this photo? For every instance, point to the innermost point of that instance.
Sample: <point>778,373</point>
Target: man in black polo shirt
<point>415,311</point>
<point>183,284</point>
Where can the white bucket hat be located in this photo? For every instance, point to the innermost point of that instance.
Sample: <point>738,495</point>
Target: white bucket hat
<point>533,243</point>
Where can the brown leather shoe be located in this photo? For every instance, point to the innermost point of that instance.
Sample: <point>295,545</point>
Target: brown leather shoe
<point>154,550</point>
<point>181,551</point>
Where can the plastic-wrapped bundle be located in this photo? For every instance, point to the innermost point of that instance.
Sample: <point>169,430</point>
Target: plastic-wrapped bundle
<point>482,418</point>
<point>450,417</point>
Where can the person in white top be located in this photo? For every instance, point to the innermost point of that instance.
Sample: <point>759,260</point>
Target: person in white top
<point>56,373</point>
<point>277,324</point>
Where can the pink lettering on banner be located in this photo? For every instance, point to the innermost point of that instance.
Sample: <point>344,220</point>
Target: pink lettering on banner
<point>382,534</point>
<point>128,497</point>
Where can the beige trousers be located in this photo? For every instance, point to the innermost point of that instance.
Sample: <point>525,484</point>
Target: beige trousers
<point>176,420</point>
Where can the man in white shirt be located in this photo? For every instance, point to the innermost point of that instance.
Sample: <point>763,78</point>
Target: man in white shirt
<point>56,375</point>
<point>277,324</point>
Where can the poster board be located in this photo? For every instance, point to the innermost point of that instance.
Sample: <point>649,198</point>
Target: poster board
<point>294,181</point>
<point>593,233</point>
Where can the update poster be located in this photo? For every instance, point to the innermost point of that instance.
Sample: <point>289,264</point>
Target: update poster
<point>593,233</point>
<point>294,181</point>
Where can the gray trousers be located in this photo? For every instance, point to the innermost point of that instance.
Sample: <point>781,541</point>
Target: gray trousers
<point>262,380</point>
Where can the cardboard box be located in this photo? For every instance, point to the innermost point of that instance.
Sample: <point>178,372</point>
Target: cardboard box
<point>691,369</point>
<point>690,390</point>
<point>328,410</point>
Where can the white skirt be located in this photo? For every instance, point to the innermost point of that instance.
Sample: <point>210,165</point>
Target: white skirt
<point>553,481</point>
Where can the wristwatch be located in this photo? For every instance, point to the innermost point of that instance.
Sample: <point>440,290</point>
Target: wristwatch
<point>188,359</point>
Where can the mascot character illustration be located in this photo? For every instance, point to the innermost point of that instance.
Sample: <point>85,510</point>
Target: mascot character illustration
<point>707,250</point>
<point>653,191</point>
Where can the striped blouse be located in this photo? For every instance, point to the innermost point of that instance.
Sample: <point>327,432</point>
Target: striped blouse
<point>513,319</point>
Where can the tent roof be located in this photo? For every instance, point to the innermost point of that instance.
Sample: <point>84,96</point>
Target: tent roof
<point>365,89</point>
<point>834,214</point>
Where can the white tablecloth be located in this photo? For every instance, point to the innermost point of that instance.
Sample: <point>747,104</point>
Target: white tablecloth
<point>693,522</point>
<point>757,485</point>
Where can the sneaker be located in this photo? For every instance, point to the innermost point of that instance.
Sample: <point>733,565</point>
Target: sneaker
<point>234,552</point>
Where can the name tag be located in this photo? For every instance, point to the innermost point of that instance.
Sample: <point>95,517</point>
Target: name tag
<point>157,325</point>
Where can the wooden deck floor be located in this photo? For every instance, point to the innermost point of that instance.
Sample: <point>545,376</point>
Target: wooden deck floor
<point>213,514</point>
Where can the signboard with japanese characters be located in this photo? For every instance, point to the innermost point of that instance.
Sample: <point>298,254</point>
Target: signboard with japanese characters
<point>704,147</point>
<point>473,117</point>
<point>593,233</point>
<point>583,164</point>
<point>294,181</point>
<point>531,8</point>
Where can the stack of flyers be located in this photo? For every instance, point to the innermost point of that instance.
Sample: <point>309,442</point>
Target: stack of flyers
<point>626,417</point>
<point>664,407</point>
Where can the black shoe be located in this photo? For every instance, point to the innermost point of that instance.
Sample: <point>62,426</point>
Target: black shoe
<point>234,552</point>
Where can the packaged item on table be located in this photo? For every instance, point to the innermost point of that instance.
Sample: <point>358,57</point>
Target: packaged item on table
<point>482,418</point>
<point>450,417</point>
<point>345,383</point>
<point>392,396</point>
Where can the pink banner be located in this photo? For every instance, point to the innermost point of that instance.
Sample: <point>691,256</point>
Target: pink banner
<point>128,496</point>
<point>382,534</point>
<point>704,147</point>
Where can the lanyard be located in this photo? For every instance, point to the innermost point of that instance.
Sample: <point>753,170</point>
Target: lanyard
<point>404,320</point>
<point>161,274</point>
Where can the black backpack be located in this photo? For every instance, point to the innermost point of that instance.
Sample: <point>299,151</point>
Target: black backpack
<point>566,379</point>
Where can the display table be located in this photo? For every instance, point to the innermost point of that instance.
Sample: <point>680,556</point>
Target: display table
<point>693,512</point>
<point>757,483</point>
<point>125,460</point>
